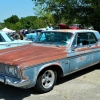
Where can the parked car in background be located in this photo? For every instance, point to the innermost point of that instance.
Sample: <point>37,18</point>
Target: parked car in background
<point>34,34</point>
<point>76,26</point>
<point>54,53</point>
<point>6,41</point>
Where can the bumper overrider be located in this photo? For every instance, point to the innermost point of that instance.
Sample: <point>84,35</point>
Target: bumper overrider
<point>13,82</point>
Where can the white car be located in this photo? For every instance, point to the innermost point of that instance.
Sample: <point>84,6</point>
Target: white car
<point>6,41</point>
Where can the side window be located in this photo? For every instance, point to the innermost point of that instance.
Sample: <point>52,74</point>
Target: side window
<point>42,37</point>
<point>82,39</point>
<point>86,38</point>
<point>1,38</point>
<point>92,38</point>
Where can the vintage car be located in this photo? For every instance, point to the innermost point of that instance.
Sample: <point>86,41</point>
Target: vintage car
<point>6,41</point>
<point>76,26</point>
<point>34,34</point>
<point>54,54</point>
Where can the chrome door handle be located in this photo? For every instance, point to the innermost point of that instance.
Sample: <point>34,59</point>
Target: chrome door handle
<point>89,46</point>
<point>7,45</point>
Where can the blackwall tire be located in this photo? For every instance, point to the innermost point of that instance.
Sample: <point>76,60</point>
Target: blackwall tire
<point>46,81</point>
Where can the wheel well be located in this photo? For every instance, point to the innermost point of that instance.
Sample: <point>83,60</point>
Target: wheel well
<point>54,67</point>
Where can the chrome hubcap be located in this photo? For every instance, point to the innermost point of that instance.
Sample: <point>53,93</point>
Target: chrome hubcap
<point>48,79</point>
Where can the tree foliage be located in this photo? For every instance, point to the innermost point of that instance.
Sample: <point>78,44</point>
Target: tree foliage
<point>13,19</point>
<point>29,22</point>
<point>86,12</point>
<point>15,23</point>
<point>73,11</point>
<point>45,16</point>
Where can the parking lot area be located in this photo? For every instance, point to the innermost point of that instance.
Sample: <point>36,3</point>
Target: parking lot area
<point>82,85</point>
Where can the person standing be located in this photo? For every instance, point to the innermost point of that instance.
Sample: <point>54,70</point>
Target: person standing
<point>49,27</point>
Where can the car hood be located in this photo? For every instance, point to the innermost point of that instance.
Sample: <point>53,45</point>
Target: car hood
<point>31,54</point>
<point>17,42</point>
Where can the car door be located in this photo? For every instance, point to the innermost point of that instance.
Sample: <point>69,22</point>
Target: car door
<point>3,43</point>
<point>81,55</point>
<point>95,46</point>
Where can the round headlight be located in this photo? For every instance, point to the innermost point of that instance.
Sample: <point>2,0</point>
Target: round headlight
<point>11,70</point>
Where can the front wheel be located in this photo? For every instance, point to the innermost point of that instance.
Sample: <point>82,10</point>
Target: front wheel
<point>46,81</point>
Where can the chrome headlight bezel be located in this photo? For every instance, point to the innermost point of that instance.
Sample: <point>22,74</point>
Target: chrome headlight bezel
<point>12,70</point>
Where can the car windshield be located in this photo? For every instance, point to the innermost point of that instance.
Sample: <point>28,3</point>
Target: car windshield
<point>56,38</point>
<point>10,36</point>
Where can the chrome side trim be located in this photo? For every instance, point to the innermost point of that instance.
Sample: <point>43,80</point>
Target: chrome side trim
<point>80,69</point>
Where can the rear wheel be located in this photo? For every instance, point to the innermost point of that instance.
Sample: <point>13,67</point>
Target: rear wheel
<point>46,81</point>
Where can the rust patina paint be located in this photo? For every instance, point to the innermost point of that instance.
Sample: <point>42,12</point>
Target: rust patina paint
<point>83,49</point>
<point>88,48</point>
<point>31,54</point>
<point>95,46</point>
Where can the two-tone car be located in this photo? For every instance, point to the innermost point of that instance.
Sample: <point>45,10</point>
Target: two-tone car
<point>55,53</point>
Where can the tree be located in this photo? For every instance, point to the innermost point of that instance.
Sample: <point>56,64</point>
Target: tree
<point>28,22</point>
<point>73,11</point>
<point>59,9</point>
<point>43,17</point>
<point>13,19</point>
<point>88,13</point>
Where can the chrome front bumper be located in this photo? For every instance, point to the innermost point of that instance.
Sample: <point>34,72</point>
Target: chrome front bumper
<point>13,82</point>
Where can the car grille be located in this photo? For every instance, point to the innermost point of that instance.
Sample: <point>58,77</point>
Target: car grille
<point>3,68</point>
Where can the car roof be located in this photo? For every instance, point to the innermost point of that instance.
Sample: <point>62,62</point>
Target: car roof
<point>71,30</point>
<point>2,32</point>
<point>41,29</point>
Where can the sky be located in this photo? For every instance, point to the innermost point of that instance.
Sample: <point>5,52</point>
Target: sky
<point>21,8</point>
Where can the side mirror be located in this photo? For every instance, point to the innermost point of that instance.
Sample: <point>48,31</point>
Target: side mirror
<point>73,47</point>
